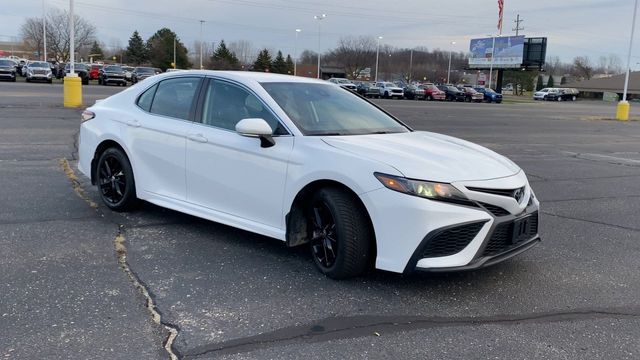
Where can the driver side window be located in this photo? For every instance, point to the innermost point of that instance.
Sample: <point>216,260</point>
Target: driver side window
<point>225,104</point>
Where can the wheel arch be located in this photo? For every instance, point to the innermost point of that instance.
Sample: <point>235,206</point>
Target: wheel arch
<point>104,145</point>
<point>296,228</point>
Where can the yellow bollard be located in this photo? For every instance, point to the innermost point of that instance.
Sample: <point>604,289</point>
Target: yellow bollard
<point>72,91</point>
<point>622,111</point>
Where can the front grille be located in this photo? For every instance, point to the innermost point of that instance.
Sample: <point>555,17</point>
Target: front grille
<point>495,210</point>
<point>452,241</point>
<point>501,192</point>
<point>503,240</point>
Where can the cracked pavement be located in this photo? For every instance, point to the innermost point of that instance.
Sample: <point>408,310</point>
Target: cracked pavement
<point>236,295</point>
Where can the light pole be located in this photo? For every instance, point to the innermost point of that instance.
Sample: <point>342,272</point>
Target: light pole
<point>295,54</point>
<point>72,40</point>
<point>410,65</point>
<point>201,22</point>
<point>174,51</point>
<point>44,32</point>
<point>622,111</point>
<point>449,70</point>
<point>493,50</point>
<point>319,18</point>
<point>377,57</point>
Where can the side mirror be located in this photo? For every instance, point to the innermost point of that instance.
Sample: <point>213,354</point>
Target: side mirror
<point>256,127</point>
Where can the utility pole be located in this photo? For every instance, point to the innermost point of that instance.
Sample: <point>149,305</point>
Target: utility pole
<point>319,18</point>
<point>174,51</point>
<point>377,57</point>
<point>295,54</point>
<point>44,31</point>
<point>518,27</point>
<point>201,22</point>
<point>410,65</point>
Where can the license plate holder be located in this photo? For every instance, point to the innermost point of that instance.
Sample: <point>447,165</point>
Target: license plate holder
<point>521,229</point>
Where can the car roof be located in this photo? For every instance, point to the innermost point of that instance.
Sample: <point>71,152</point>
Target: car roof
<point>242,76</point>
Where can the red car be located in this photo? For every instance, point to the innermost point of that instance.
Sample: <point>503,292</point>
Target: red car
<point>431,92</point>
<point>94,73</point>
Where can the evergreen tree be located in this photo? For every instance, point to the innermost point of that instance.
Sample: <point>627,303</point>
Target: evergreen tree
<point>137,52</point>
<point>96,51</point>
<point>540,84</point>
<point>290,65</point>
<point>224,59</point>
<point>160,47</point>
<point>263,62</point>
<point>563,80</point>
<point>279,65</point>
<point>550,81</point>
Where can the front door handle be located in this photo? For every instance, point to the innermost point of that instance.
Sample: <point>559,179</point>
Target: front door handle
<point>197,138</point>
<point>133,123</point>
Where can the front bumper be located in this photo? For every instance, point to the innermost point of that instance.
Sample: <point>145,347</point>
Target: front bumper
<point>114,79</point>
<point>404,224</point>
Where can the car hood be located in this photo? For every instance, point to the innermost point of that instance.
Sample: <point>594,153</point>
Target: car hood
<point>428,156</point>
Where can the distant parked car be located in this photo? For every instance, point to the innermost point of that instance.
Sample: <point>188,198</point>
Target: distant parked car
<point>542,93</point>
<point>141,73</point>
<point>390,90</point>
<point>113,74</point>
<point>368,89</point>
<point>81,70</point>
<point>345,83</point>
<point>39,70</point>
<point>562,94</point>
<point>471,95</point>
<point>94,72</point>
<point>452,93</point>
<point>127,72</point>
<point>489,95</point>
<point>7,70</point>
<point>413,92</point>
<point>432,92</point>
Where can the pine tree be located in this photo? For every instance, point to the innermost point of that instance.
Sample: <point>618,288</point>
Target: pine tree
<point>540,84</point>
<point>290,65</point>
<point>96,51</point>
<point>224,59</point>
<point>160,47</point>
<point>263,62</point>
<point>563,80</point>
<point>279,65</point>
<point>550,82</point>
<point>137,52</point>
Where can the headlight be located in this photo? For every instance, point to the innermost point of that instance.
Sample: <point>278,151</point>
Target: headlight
<point>426,189</point>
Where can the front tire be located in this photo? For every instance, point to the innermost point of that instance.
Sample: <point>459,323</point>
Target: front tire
<point>340,233</point>
<point>115,180</point>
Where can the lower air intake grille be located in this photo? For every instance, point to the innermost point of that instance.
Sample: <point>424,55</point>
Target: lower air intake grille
<point>452,241</point>
<point>495,210</point>
<point>503,237</point>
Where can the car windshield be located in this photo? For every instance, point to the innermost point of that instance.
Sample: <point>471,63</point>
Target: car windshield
<point>318,109</point>
<point>40,64</point>
<point>452,88</point>
<point>145,70</point>
<point>344,81</point>
<point>7,63</point>
<point>388,84</point>
<point>76,67</point>
<point>113,68</point>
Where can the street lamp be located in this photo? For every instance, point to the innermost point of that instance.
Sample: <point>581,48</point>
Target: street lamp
<point>295,54</point>
<point>201,22</point>
<point>44,31</point>
<point>449,70</point>
<point>319,18</point>
<point>493,50</point>
<point>622,111</point>
<point>377,56</point>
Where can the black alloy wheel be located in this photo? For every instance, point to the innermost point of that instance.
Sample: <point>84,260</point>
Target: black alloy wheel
<point>340,233</point>
<point>115,180</point>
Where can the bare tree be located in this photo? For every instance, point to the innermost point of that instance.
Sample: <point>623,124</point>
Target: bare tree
<point>354,53</point>
<point>582,67</point>
<point>32,34</point>
<point>58,34</point>
<point>244,50</point>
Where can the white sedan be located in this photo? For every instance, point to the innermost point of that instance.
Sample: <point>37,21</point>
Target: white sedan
<point>307,162</point>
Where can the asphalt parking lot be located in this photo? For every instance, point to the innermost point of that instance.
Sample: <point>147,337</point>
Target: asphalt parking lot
<point>73,271</point>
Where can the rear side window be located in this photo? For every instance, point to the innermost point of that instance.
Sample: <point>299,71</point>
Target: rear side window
<point>144,101</point>
<point>174,97</point>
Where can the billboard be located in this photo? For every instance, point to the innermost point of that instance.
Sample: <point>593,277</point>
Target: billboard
<point>508,52</point>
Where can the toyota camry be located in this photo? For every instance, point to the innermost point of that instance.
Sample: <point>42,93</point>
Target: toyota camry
<point>308,163</point>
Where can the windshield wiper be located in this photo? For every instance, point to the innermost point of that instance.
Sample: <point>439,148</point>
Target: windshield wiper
<point>326,134</point>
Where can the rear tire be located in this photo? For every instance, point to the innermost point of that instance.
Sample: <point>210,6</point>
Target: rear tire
<point>340,233</point>
<point>114,177</point>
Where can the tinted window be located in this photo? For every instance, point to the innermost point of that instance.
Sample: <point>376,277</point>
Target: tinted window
<point>174,97</point>
<point>319,109</point>
<point>225,104</point>
<point>113,68</point>
<point>144,101</point>
<point>6,63</point>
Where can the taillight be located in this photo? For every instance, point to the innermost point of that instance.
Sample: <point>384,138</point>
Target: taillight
<point>87,115</point>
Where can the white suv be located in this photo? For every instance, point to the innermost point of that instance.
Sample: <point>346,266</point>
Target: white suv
<point>390,90</point>
<point>345,83</point>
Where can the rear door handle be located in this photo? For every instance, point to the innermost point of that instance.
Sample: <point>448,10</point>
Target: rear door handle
<point>197,138</point>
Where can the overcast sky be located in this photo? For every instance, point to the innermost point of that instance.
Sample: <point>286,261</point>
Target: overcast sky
<point>574,27</point>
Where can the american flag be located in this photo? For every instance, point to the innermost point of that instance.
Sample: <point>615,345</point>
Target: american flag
<point>500,10</point>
